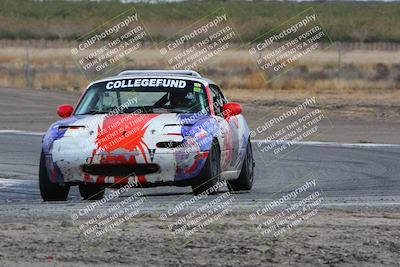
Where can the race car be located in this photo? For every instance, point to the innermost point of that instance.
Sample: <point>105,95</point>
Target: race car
<point>147,128</point>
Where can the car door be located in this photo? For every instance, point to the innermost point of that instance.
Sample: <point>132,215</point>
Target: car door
<point>229,129</point>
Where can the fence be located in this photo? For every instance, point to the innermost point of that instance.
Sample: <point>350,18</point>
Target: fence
<point>383,46</point>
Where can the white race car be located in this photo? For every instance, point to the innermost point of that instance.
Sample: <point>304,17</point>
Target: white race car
<point>147,128</point>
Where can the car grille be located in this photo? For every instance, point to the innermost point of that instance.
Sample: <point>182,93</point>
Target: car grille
<point>170,144</point>
<point>121,170</point>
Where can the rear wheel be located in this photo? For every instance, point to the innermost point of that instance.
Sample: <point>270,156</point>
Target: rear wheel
<point>245,180</point>
<point>91,191</point>
<point>48,190</point>
<point>210,175</point>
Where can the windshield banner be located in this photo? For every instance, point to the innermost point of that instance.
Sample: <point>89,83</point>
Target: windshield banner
<point>146,83</point>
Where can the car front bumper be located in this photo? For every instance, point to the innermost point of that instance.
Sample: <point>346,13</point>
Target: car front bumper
<point>154,168</point>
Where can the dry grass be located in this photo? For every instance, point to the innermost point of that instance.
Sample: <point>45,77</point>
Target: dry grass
<point>361,57</point>
<point>293,84</point>
<point>345,85</point>
<point>236,58</point>
<point>68,82</point>
<point>17,81</point>
<point>247,81</point>
<point>67,20</point>
<point>387,97</point>
<point>55,68</point>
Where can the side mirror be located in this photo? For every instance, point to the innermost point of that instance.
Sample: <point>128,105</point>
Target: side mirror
<point>65,111</point>
<point>231,109</point>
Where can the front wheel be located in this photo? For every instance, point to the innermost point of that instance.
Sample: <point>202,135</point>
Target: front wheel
<point>245,180</point>
<point>48,190</point>
<point>210,175</point>
<point>91,191</point>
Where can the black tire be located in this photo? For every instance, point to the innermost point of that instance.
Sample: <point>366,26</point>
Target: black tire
<point>245,180</point>
<point>48,190</point>
<point>91,191</point>
<point>210,175</point>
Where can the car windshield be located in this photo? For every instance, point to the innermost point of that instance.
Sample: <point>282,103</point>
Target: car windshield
<point>144,95</point>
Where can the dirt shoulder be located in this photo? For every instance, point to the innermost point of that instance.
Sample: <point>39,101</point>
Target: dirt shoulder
<point>347,123</point>
<point>372,117</point>
<point>340,238</point>
<point>350,116</point>
<point>31,110</point>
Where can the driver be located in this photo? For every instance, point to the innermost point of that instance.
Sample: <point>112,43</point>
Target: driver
<point>178,100</point>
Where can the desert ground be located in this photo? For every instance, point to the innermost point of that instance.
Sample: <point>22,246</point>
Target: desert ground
<point>359,97</point>
<point>360,237</point>
<point>350,119</point>
<point>352,161</point>
<point>360,228</point>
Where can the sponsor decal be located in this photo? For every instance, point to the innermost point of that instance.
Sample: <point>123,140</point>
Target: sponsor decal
<point>151,153</point>
<point>197,87</point>
<point>108,139</point>
<point>145,83</point>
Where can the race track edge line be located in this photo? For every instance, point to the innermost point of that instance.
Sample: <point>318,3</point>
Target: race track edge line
<point>316,143</point>
<point>310,143</point>
<point>21,132</point>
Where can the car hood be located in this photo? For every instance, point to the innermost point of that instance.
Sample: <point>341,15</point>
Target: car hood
<point>109,133</point>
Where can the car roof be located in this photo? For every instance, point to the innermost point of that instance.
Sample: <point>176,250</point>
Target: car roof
<point>178,74</point>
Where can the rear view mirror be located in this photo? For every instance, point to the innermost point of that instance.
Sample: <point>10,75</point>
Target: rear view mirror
<point>231,109</point>
<point>65,111</point>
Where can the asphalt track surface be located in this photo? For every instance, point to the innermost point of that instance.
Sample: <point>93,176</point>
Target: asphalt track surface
<point>347,174</point>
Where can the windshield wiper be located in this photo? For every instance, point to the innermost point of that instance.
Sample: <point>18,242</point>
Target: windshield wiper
<point>179,111</point>
<point>93,112</point>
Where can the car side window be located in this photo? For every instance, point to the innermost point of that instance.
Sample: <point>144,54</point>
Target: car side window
<point>218,99</point>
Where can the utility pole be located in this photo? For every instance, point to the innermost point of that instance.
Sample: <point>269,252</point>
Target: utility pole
<point>27,66</point>
<point>339,59</point>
